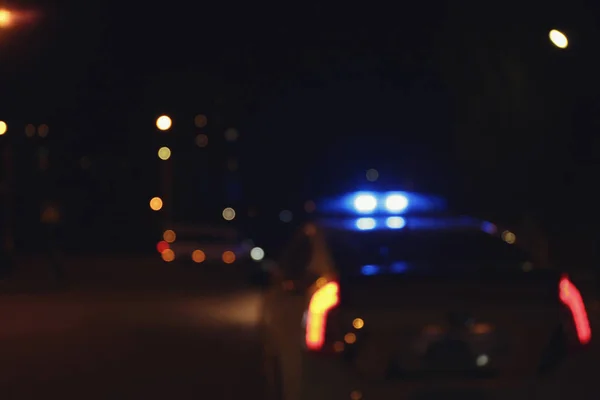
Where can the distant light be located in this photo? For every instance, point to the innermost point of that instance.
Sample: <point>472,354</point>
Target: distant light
<point>3,128</point>
<point>257,254</point>
<point>228,257</point>
<point>168,255</point>
<point>198,256</point>
<point>558,39</point>
<point>201,140</point>
<point>164,123</point>
<point>396,203</point>
<point>200,121</point>
<point>358,323</point>
<point>156,203</point>
<point>310,206</point>
<point>228,214</point>
<point>286,216</point>
<point>162,246</point>
<point>488,227</point>
<point>365,203</point>
<point>399,267</point>
<point>395,222</point>
<point>482,360</point>
<point>43,130</point>
<point>231,135</point>
<point>164,153</point>
<point>30,130</point>
<point>169,236</point>
<point>369,270</point>
<point>6,18</point>
<point>509,237</point>
<point>365,224</point>
<point>372,175</point>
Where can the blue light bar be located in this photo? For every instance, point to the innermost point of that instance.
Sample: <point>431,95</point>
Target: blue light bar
<point>386,203</point>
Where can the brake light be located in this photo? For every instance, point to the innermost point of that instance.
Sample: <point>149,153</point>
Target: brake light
<point>321,302</point>
<point>570,296</point>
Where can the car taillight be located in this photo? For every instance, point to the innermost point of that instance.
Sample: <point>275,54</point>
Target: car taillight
<point>570,296</point>
<point>321,302</point>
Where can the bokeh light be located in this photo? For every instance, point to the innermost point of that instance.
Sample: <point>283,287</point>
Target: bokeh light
<point>228,214</point>
<point>358,323</point>
<point>231,135</point>
<point>156,203</point>
<point>286,216</point>
<point>257,254</point>
<point>164,153</point>
<point>372,175</point>
<point>198,256</point>
<point>6,18</point>
<point>162,246</point>
<point>164,123</point>
<point>201,140</point>
<point>200,121</point>
<point>168,255</point>
<point>3,127</point>
<point>169,236</point>
<point>228,257</point>
<point>43,130</point>
<point>509,237</point>
<point>310,206</point>
<point>558,39</point>
<point>30,130</point>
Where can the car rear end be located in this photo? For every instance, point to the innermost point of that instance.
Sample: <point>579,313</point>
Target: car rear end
<point>438,321</point>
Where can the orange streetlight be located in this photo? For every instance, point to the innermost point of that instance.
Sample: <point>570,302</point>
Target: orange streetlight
<point>6,18</point>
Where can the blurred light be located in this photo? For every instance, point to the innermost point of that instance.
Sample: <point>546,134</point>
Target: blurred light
<point>201,140</point>
<point>3,128</point>
<point>358,323</point>
<point>156,203</point>
<point>558,39</point>
<point>509,237</point>
<point>200,121</point>
<point>85,162</point>
<point>356,395</point>
<point>365,203</point>
<point>482,360</point>
<point>198,256</point>
<point>168,255</point>
<point>395,222</point>
<point>163,123</point>
<point>488,227</point>
<point>228,257</point>
<point>310,206</point>
<point>30,130</point>
<point>372,175</point>
<point>350,338</point>
<point>369,270</point>
<point>365,224</point>
<point>396,203</point>
<point>228,214</point>
<point>162,246</point>
<point>169,236</point>
<point>257,254</point>
<point>286,216</point>
<point>164,153</point>
<point>5,18</point>
<point>231,135</point>
<point>43,130</point>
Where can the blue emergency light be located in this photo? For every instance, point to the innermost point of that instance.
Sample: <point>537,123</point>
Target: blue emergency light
<point>363,203</point>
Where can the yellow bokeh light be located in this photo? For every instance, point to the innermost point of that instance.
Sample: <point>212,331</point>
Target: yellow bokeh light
<point>164,123</point>
<point>358,323</point>
<point>164,153</point>
<point>228,214</point>
<point>198,256</point>
<point>509,237</point>
<point>169,236</point>
<point>350,338</point>
<point>3,127</point>
<point>168,255</point>
<point>5,18</point>
<point>558,39</point>
<point>156,203</point>
<point>228,257</point>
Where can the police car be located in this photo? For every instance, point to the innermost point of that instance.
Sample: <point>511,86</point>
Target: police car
<point>388,297</point>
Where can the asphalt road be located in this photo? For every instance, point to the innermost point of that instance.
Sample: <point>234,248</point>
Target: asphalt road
<point>192,340</point>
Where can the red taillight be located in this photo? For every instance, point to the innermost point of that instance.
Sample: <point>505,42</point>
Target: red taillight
<point>570,296</point>
<point>321,302</point>
<point>162,246</point>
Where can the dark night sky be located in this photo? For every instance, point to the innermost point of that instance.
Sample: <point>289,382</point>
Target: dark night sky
<point>449,97</point>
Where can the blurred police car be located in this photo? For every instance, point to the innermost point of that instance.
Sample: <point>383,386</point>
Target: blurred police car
<point>401,300</point>
<point>211,244</point>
